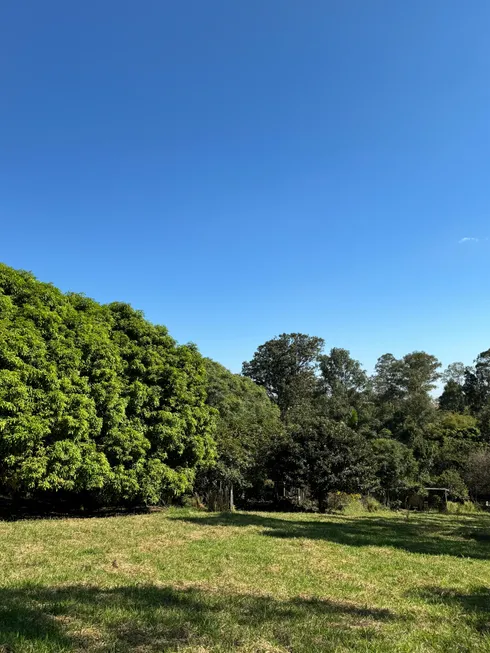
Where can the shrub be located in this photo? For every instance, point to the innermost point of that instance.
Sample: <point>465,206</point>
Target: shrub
<point>454,508</point>
<point>451,479</point>
<point>192,501</point>
<point>218,500</point>
<point>340,501</point>
<point>371,504</point>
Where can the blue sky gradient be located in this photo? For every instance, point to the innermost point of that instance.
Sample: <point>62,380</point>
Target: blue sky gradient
<point>242,169</point>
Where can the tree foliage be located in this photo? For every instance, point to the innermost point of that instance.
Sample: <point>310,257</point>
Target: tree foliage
<point>94,400</point>
<point>99,405</point>
<point>248,426</point>
<point>453,397</point>
<point>395,465</point>
<point>477,472</point>
<point>345,389</point>
<point>323,455</point>
<point>387,433</point>
<point>286,367</point>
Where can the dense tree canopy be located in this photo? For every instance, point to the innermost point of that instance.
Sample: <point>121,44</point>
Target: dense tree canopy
<point>285,367</point>
<point>345,390</point>
<point>248,427</point>
<point>95,400</point>
<point>388,430</point>
<point>325,455</point>
<point>99,405</point>
<point>394,464</point>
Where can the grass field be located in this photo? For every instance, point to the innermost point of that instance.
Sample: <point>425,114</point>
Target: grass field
<point>180,580</point>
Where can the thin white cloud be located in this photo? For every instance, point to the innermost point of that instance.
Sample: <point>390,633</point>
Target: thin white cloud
<point>468,239</point>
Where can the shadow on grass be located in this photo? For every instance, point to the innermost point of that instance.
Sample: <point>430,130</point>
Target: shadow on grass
<point>17,511</point>
<point>150,618</point>
<point>432,535</point>
<point>474,605</point>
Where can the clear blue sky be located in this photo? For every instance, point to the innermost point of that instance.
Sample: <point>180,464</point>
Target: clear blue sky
<point>242,169</point>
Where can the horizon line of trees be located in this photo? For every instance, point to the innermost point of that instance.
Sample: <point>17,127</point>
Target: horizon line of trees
<point>382,434</point>
<point>100,407</point>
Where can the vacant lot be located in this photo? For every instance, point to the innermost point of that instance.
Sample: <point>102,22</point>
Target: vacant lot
<point>189,581</point>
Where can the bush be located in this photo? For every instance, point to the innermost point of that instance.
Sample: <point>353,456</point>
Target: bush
<point>192,501</point>
<point>451,479</point>
<point>454,508</point>
<point>396,504</point>
<point>218,500</point>
<point>341,501</point>
<point>352,503</point>
<point>371,504</point>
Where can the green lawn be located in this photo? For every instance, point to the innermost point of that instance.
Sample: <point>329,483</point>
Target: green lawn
<point>180,580</point>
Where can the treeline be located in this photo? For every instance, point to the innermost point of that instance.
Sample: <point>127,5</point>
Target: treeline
<point>384,435</point>
<point>100,407</point>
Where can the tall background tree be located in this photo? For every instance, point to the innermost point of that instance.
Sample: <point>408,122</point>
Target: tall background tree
<point>403,390</point>
<point>286,367</point>
<point>345,390</point>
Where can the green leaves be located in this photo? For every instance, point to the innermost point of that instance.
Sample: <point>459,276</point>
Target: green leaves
<point>95,399</point>
<point>286,367</point>
<point>324,455</point>
<point>97,404</point>
<point>247,426</point>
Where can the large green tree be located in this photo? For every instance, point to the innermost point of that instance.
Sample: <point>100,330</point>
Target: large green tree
<point>345,390</point>
<point>453,397</point>
<point>477,392</point>
<point>286,367</point>
<point>395,467</point>
<point>477,382</point>
<point>477,473</point>
<point>453,437</point>
<point>248,427</point>
<point>325,456</point>
<point>95,402</point>
<point>403,392</point>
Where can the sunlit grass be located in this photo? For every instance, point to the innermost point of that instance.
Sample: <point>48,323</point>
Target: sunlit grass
<point>187,581</point>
